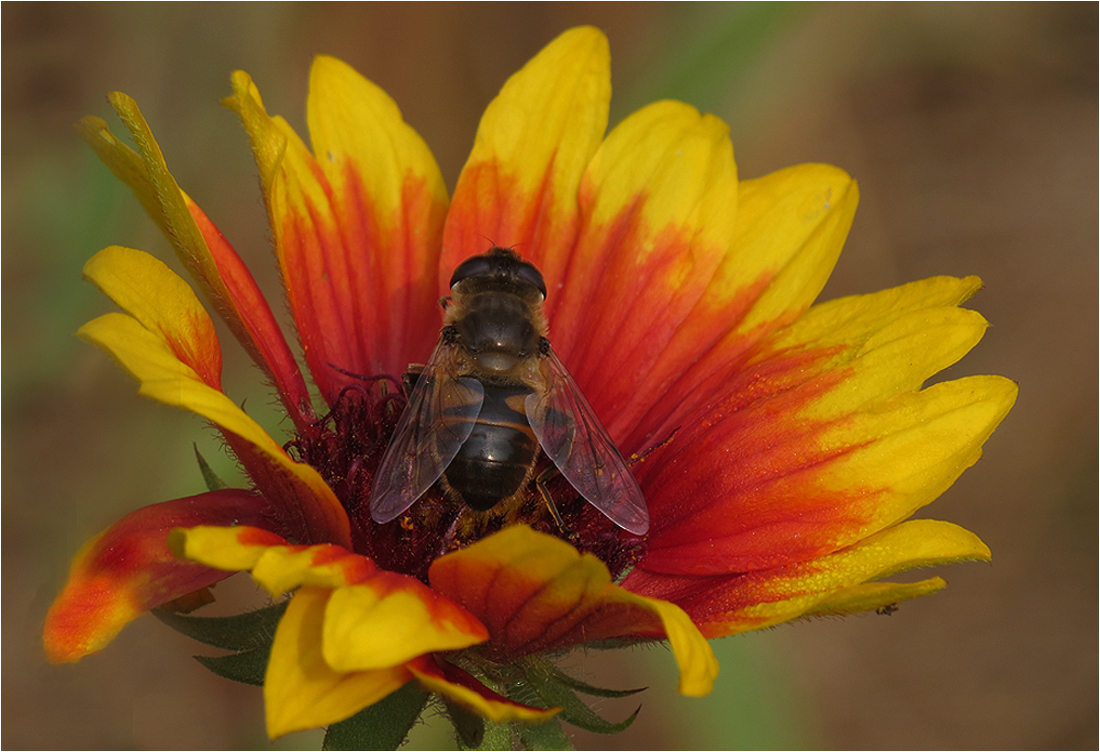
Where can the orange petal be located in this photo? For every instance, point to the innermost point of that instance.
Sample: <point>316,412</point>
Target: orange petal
<point>129,569</point>
<point>535,592</point>
<point>519,186</point>
<point>301,691</point>
<point>460,687</point>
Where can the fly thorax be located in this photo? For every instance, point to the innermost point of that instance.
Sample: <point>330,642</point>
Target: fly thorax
<point>496,331</point>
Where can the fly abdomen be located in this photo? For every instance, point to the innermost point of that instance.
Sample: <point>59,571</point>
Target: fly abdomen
<point>496,459</point>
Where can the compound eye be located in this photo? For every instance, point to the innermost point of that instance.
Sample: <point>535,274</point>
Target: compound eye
<point>475,266</point>
<point>529,274</point>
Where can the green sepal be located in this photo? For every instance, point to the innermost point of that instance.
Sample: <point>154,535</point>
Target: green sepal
<point>553,692</point>
<point>247,667</point>
<point>547,735</point>
<point>383,725</point>
<point>238,633</point>
<point>209,477</point>
<point>584,688</point>
<point>470,728</point>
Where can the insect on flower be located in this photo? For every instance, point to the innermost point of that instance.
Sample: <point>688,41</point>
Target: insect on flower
<point>446,549</point>
<point>491,389</point>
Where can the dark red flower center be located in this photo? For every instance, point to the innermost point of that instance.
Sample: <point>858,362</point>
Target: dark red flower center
<point>346,447</point>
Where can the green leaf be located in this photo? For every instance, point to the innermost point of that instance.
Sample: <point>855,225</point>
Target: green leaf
<point>241,632</point>
<point>247,667</point>
<point>383,725</point>
<point>209,477</point>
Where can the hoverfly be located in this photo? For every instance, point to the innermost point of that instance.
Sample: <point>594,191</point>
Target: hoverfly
<point>490,396</point>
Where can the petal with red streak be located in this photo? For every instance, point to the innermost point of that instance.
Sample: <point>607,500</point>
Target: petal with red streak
<point>519,186</point>
<point>147,349</point>
<point>356,230</point>
<point>535,592</point>
<point>835,583</point>
<point>129,569</point>
<point>791,226</point>
<point>821,440</point>
<point>203,249</point>
<point>658,206</point>
<point>390,202</point>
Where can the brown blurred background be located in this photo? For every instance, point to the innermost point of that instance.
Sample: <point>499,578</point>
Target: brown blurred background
<point>973,132</point>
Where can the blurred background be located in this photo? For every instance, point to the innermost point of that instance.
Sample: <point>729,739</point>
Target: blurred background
<point>973,132</point>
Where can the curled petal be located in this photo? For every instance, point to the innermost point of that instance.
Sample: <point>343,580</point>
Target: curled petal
<point>835,583</point>
<point>234,549</point>
<point>519,186</point>
<point>374,619</point>
<point>391,618</point>
<point>460,687</point>
<point>535,592</point>
<point>278,567</point>
<point>301,691</point>
<point>129,568</point>
<point>161,302</point>
<point>302,500</point>
<point>203,249</point>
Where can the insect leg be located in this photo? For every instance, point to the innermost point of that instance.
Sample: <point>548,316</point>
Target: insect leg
<point>540,484</point>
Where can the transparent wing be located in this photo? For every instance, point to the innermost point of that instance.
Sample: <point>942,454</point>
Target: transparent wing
<point>573,437</point>
<point>436,422</point>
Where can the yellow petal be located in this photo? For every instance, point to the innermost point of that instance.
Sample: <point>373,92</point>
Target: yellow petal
<point>300,690</point>
<point>910,449</point>
<point>809,587</point>
<point>153,294</point>
<point>694,656</point>
<point>871,596</point>
<point>147,174</point>
<point>888,342</point>
<point>296,489</point>
<point>234,549</point>
<point>791,227</point>
<point>519,185</point>
<point>391,619</point>
<point>282,568</point>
